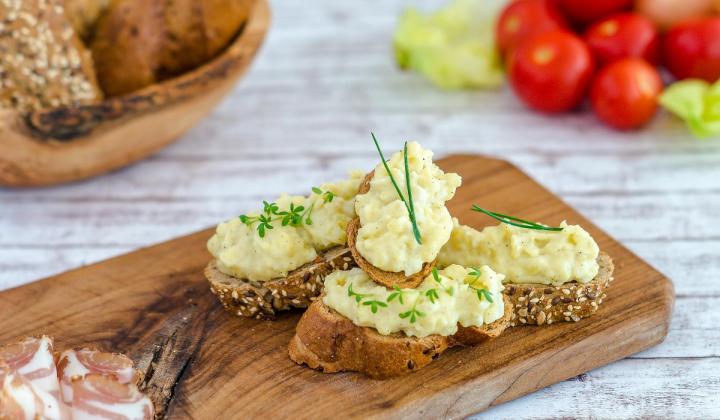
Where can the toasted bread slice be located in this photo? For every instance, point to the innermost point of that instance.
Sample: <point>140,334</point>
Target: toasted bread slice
<point>262,300</point>
<point>543,304</point>
<point>386,278</point>
<point>327,341</point>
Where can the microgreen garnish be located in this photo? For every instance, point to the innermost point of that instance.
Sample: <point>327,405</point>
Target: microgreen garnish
<point>449,290</point>
<point>373,304</point>
<point>413,313</point>
<point>398,293</point>
<point>327,196</point>
<point>358,296</point>
<point>264,224</point>
<point>436,275</point>
<point>432,295</point>
<point>515,221</point>
<point>481,292</point>
<point>409,206</point>
<point>294,216</point>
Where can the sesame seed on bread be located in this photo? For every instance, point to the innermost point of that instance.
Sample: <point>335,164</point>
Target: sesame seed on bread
<point>44,63</point>
<point>540,304</point>
<point>327,341</point>
<point>262,300</point>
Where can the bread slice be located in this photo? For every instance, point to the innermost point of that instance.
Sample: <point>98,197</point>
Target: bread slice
<point>44,63</point>
<point>542,304</point>
<point>386,278</point>
<point>327,341</point>
<point>262,300</point>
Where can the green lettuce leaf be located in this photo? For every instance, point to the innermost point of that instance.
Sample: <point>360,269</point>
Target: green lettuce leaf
<point>697,103</point>
<point>454,47</point>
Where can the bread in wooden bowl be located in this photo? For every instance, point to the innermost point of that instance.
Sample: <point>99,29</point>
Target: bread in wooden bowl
<point>328,342</point>
<point>160,39</point>
<point>84,14</point>
<point>82,137</point>
<point>44,62</point>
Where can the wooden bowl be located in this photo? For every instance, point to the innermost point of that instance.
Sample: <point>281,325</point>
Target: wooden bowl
<point>67,144</point>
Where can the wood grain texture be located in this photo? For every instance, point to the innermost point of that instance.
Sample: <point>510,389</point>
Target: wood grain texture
<point>52,146</point>
<point>323,80</point>
<point>203,363</point>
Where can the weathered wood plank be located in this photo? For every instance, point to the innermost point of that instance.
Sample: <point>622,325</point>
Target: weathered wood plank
<point>664,388</point>
<point>75,219</point>
<point>306,108</point>
<point>155,305</point>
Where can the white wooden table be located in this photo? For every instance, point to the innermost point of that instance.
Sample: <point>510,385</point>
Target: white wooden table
<point>324,79</point>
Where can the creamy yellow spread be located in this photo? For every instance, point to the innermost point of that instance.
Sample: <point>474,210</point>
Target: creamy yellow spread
<point>525,255</point>
<point>385,238</point>
<point>241,252</point>
<point>330,218</point>
<point>456,300</point>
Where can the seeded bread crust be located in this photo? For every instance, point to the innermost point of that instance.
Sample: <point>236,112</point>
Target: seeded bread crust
<point>138,42</point>
<point>262,300</point>
<point>44,64</point>
<point>539,304</point>
<point>386,278</point>
<point>328,342</point>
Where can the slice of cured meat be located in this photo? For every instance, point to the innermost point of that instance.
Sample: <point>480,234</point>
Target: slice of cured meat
<point>32,357</point>
<point>102,397</point>
<point>21,399</point>
<point>75,364</point>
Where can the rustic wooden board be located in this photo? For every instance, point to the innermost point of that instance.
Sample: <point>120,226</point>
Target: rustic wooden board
<point>154,304</point>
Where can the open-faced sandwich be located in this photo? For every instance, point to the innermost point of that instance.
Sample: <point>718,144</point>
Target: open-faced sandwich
<point>276,259</point>
<point>390,279</point>
<point>397,312</point>
<point>551,273</point>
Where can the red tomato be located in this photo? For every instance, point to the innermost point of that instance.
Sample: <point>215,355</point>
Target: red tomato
<point>625,35</point>
<point>692,49</point>
<point>551,71</point>
<point>625,93</point>
<point>524,18</point>
<point>586,11</point>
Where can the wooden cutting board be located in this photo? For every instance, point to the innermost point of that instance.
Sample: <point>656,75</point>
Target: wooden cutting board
<point>201,362</point>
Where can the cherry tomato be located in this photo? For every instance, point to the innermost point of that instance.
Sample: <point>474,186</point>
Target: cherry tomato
<point>624,35</point>
<point>585,11</point>
<point>692,49</point>
<point>524,18</point>
<point>625,93</point>
<point>550,72</point>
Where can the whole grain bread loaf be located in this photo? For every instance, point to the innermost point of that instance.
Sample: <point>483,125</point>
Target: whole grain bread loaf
<point>541,304</point>
<point>262,300</point>
<point>44,63</point>
<point>327,341</point>
<point>83,15</point>
<point>137,42</point>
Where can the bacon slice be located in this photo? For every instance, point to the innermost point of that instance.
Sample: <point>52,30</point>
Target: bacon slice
<point>32,357</point>
<point>75,364</point>
<point>102,397</point>
<point>20,398</point>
